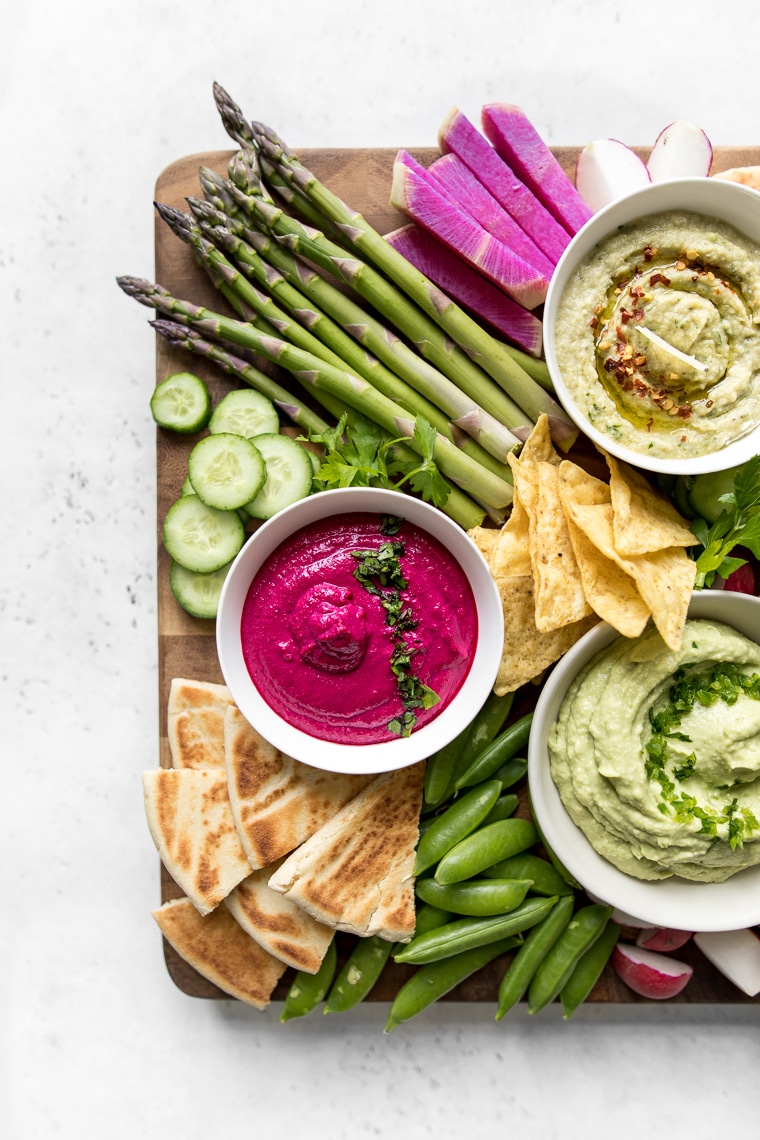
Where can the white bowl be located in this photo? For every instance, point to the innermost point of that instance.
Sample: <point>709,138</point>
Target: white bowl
<point>735,204</point>
<point>674,902</point>
<point>360,758</point>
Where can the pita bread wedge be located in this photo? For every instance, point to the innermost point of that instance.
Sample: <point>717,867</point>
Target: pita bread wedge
<point>219,949</point>
<point>357,872</point>
<point>276,801</point>
<point>191,822</point>
<point>195,723</point>
<point>282,928</point>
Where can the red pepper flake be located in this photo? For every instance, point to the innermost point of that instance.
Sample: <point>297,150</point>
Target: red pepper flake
<point>593,323</point>
<point>638,314</point>
<point>625,316</point>
<point>635,292</point>
<point>649,253</point>
<point>683,412</point>
<point>650,424</point>
<point>709,403</point>
<point>683,439</point>
<point>653,280</point>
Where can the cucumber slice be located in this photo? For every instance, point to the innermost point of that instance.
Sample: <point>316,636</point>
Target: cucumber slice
<point>197,593</point>
<point>187,487</point>
<point>202,538</point>
<point>289,475</point>
<point>226,471</point>
<point>244,412</point>
<point>181,403</point>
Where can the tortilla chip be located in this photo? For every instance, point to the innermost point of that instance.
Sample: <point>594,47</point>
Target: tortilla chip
<point>190,820</point>
<point>643,520</point>
<point>664,578</point>
<point>538,447</point>
<point>528,652</point>
<point>195,723</point>
<point>357,872</point>
<point>219,949</point>
<point>484,538</point>
<point>558,587</point>
<point>283,929</point>
<point>277,802</point>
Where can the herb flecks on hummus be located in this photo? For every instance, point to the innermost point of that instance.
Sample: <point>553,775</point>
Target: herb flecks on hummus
<point>658,335</point>
<point>656,754</point>
<point>342,661</point>
<point>379,572</point>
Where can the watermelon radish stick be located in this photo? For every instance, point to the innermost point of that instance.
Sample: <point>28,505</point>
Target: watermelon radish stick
<point>606,170</point>
<point>458,136</point>
<point>415,194</point>
<point>471,195</point>
<point>681,150</point>
<point>518,142</point>
<point>465,285</point>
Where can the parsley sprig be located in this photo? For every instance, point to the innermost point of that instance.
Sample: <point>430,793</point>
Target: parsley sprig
<point>357,453</point>
<point>379,571</point>
<point>738,524</point>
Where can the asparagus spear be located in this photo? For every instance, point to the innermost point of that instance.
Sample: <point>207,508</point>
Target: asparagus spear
<point>318,374</point>
<point>493,355</point>
<point>431,393</point>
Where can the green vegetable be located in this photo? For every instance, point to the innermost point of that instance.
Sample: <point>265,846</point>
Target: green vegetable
<point>288,475</point>
<point>226,471</point>
<point>430,917</point>
<point>477,898</point>
<point>181,403</point>
<point>503,748</point>
<point>201,538</point>
<point>581,932</point>
<point>525,865</point>
<point>443,768</point>
<point>468,933</point>
<point>588,970</point>
<point>361,970</point>
<point>531,954</point>
<point>308,990</point>
<point>454,824</point>
<point>738,524</point>
<point>504,807</point>
<point>484,847</point>
<point>244,412</point>
<point>197,593</point>
<point>438,978</point>
<point>512,772</point>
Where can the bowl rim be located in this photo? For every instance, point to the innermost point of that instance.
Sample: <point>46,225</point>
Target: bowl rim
<point>625,209</point>
<point>360,758</point>
<point>673,902</point>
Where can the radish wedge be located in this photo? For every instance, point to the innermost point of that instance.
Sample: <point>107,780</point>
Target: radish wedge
<point>681,150</point>
<point>465,189</point>
<point>458,136</point>
<point>518,142</point>
<point>415,194</point>
<point>451,274</point>
<point>736,953</point>
<point>607,170</point>
<point>649,974</point>
<point>663,938</point>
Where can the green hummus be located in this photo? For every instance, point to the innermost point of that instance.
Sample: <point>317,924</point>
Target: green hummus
<point>656,754</point>
<point>658,335</point>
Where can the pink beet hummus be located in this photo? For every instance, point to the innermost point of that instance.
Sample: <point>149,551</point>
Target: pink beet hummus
<point>317,644</point>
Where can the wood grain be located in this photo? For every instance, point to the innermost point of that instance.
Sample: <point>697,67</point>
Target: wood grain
<point>186,645</point>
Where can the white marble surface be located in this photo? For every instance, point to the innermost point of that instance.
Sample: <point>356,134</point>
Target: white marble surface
<point>95,99</point>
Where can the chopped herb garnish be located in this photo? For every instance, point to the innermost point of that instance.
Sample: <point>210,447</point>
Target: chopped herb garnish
<point>380,573</point>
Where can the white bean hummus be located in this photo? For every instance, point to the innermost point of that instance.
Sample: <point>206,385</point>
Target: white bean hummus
<point>658,335</point>
<point>656,754</point>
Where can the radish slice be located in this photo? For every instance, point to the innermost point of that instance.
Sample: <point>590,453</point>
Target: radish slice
<point>736,953</point>
<point>681,150</point>
<point>648,974</point>
<point>607,170</point>
<point>663,938</point>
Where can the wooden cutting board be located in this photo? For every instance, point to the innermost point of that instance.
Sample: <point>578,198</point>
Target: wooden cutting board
<point>186,645</point>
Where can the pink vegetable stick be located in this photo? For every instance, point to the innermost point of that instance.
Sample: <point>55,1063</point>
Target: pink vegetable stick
<point>475,200</point>
<point>415,194</point>
<point>466,285</point>
<point>518,142</point>
<point>458,136</point>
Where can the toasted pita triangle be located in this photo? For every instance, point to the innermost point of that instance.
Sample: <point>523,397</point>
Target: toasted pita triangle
<point>191,822</point>
<point>219,949</point>
<point>195,723</point>
<point>282,928</point>
<point>356,872</point>
<point>277,802</point>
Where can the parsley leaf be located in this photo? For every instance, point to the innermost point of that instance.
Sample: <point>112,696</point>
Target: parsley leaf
<point>738,524</point>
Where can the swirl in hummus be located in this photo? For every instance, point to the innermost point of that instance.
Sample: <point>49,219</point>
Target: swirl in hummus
<point>658,335</point>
